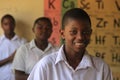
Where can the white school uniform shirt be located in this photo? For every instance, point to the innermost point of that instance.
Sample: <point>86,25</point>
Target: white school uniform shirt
<point>29,54</point>
<point>56,67</point>
<point>8,47</point>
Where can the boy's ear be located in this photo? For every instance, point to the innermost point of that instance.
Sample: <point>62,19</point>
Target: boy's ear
<point>33,30</point>
<point>62,34</point>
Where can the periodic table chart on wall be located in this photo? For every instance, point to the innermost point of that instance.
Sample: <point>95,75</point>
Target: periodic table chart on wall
<point>105,17</point>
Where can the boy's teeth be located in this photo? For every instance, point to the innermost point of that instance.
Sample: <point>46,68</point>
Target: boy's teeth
<point>78,43</point>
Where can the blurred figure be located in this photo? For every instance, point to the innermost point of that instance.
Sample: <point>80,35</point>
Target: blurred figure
<point>9,43</point>
<point>29,54</point>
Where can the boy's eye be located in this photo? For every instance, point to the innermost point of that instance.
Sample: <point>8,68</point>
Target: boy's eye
<point>73,32</point>
<point>8,24</point>
<point>48,27</point>
<point>86,32</point>
<point>40,26</point>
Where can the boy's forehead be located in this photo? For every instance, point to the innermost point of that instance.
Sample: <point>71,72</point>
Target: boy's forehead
<point>42,22</point>
<point>77,21</point>
<point>8,20</point>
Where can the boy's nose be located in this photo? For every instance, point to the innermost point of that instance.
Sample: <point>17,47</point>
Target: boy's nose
<point>80,35</point>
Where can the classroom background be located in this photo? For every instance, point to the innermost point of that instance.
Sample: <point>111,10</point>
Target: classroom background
<point>105,17</point>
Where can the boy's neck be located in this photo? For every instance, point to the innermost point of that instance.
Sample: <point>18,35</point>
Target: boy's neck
<point>10,36</point>
<point>74,58</point>
<point>41,44</point>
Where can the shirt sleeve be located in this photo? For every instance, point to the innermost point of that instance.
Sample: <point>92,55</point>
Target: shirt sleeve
<point>107,73</point>
<point>19,59</point>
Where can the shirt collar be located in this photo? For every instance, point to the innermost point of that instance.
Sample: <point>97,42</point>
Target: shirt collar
<point>48,47</point>
<point>60,55</point>
<point>33,45</point>
<point>14,38</point>
<point>85,62</point>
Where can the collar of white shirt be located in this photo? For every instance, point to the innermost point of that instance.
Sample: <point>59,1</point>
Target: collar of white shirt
<point>33,45</point>
<point>85,62</point>
<point>4,37</point>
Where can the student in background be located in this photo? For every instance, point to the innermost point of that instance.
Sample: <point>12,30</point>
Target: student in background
<point>72,61</point>
<point>9,43</point>
<point>29,54</point>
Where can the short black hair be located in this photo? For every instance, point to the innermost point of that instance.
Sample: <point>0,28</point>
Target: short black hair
<point>8,16</point>
<point>75,13</point>
<point>43,19</point>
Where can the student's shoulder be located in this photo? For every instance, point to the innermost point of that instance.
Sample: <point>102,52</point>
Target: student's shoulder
<point>22,40</point>
<point>96,59</point>
<point>99,62</point>
<point>25,46</point>
<point>2,37</point>
<point>49,59</point>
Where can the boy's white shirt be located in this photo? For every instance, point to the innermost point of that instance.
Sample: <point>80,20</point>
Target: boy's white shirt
<point>8,47</point>
<point>29,54</point>
<point>55,67</point>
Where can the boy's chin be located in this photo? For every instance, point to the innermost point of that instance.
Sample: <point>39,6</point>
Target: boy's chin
<point>78,50</point>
